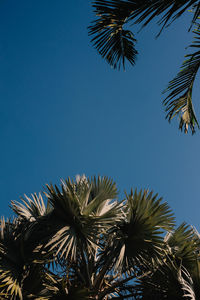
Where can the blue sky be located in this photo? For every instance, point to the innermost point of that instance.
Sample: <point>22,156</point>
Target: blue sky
<point>64,111</point>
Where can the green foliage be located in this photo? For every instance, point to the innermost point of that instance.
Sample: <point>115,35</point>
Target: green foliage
<point>179,100</point>
<point>86,244</point>
<point>116,44</point>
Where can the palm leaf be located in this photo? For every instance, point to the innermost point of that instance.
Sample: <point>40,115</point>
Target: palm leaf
<point>137,240</point>
<point>187,284</point>
<point>163,283</point>
<point>175,277</point>
<point>170,10</point>
<point>19,262</point>
<point>113,42</point>
<point>184,244</point>
<point>179,100</point>
<point>31,209</point>
<point>81,213</point>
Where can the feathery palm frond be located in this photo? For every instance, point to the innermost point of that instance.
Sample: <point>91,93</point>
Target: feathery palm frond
<point>170,10</point>
<point>111,40</point>
<point>179,101</point>
<point>116,44</point>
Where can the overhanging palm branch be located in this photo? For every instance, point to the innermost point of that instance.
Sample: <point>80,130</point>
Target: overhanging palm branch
<point>117,44</point>
<point>112,41</point>
<point>179,100</point>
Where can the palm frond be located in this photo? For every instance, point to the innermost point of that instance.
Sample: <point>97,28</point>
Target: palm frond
<point>81,212</point>
<point>137,240</point>
<point>174,277</point>
<point>146,11</point>
<point>20,261</point>
<point>64,288</point>
<point>184,245</point>
<point>31,209</point>
<point>112,41</point>
<point>162,283</point>
<point>179,100</point>
<point>187,284</point>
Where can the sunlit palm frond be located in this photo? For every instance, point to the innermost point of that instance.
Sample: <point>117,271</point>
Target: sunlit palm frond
<point>187,284</point>
<point>179,100</point>
<point>137,240</point>
<point>102,202</point>
<point>81,212</point>
<point>31,209</point>
<point>9,261</point>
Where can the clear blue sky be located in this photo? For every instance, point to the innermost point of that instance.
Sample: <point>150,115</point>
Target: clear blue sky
<point>64,111</point>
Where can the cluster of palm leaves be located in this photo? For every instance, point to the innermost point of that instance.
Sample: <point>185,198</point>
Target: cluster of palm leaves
<point>116,44</point>
<point>81,242</point>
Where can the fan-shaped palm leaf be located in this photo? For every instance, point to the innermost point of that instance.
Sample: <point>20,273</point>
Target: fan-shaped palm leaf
<point>31,209</point>
<point>137,240</point>
<point>184,245</point>
<point>18,262</point>
<point>81,212</point>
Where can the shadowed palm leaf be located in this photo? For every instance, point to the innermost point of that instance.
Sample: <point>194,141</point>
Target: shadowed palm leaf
<point>117,44</point>
<point>63,288</point>
<point>177,276</point>
<point>21,273</point>
<point>113,41</point>
<point>179,101</point>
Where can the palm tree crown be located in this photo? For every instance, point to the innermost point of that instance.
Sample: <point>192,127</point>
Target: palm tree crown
<point>83,243</point>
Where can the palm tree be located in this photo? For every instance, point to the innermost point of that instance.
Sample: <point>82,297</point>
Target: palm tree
<point>83,243</point>
<point>116,44</point>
